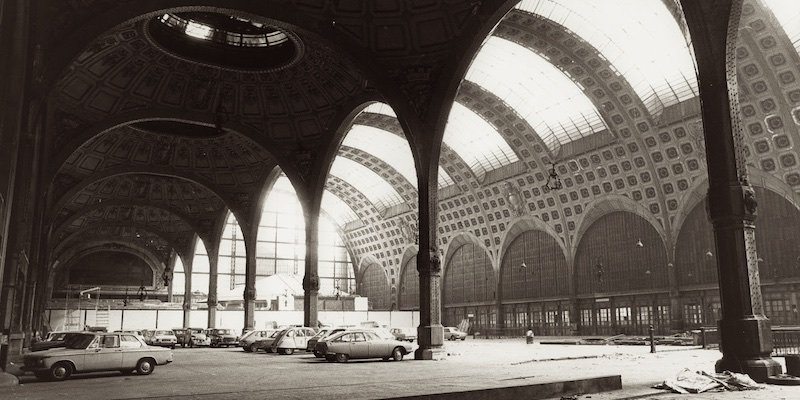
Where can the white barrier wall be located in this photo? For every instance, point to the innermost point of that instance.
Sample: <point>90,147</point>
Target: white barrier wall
<point>167,319</point>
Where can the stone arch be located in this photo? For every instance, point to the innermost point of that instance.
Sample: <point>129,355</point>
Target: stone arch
<point>758,178</point>
<point>373,282</point>
<point>608,204</point>
<point>468,276</point>
<point>546,272</point>
<point>408,286</point>
<point>620,251</point>
<point>461,239</point>
<point>523,224</point>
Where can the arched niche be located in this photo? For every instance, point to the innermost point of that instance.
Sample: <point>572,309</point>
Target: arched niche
<point>374,285</point>
<point>621,251</point>
<point>109,268</point>
<point>409,285</point>
<point>777,227</point>
<point>545,273</point>
<point>468,277</point>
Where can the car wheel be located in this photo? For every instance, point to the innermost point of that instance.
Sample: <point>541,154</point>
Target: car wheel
<point>43,375</point>
<point>397,354</point>
<point>452,337</point>
<point>213,344</point>
<point>342,358</point>
<point>60,371</point>
<point>268,349</point>
<point>464,338</point>
<point>288,351</point>
<point>145,366</point>
<point>172,347</point>
<point>253,348</point>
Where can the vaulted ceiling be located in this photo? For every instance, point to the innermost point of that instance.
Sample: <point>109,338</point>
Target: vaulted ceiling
<point>153,147</point>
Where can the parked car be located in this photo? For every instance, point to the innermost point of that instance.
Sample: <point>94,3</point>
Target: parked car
<point>249,339</point>
<point>408,334</point>
<point>191,337</point>
<point>323,333</point>
<point>452,333</point>
<point>292,339</point>
<point>53,340</point>
<point>142,332</point>
<point>221,337</point>
<point>90,351</point>
<point>266,342</point>
<point>161,337</point>
<point>361,343</point>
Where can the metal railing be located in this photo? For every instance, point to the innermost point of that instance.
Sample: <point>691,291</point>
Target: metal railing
<point>785,340</point>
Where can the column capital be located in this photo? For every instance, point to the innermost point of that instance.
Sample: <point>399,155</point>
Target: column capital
<point>249,294</point>
<point>311,282</point>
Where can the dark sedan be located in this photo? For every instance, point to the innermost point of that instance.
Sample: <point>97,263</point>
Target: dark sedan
<point>354,344</point>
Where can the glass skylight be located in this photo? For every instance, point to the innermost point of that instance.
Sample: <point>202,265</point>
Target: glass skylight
<point>380,108</point>
<point>444,178</point>
<point>392,149</point>
<point>476,141</point>
<point>337,209</point>
<point>376,189</point>
<point>639,37</point>
<point>538,91</point>
<point>788,14</point>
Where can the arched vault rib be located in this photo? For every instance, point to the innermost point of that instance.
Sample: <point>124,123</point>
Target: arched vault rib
<point>449,159</point>
<point>159,220</point>
<point>199,181</point>
<point>156,241</point>
<point>406,190</point>
<point>579,60</point>
<point>84,211</point>
<point>517,133</point>
<point>363,208</point>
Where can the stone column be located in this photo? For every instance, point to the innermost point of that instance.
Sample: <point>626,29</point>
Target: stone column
<point>212,289</point>
<point>746,337</point>
<point>311,277</point>
<point>250,283</point>
<point>430,332</point>
<point>16,160</point>
<point>187,289</point>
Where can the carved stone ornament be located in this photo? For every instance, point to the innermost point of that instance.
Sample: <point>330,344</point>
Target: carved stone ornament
<point>250,294</point>
<point>436,262</point>
<point>311,282</point>
<point>750,202</point>
<point>514,198</point>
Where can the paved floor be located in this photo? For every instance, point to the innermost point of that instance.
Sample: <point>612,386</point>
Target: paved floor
<point>207,373</point>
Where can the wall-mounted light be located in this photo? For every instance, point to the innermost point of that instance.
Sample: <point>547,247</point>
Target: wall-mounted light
<point>709,254</point>
<point>523,265</point>
<point>639,243</point>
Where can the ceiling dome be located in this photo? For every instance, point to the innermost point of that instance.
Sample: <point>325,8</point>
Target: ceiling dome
<point>225,40</point>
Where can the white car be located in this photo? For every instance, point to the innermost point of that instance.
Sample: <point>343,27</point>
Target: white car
<point>361,343</point>
<point>452,333</point>
<point>161,337</point>
<point>89,352</point>
<point>292,339</point>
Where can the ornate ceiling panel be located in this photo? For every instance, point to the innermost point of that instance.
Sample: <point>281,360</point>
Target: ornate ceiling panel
<point>125,72</point>
<point>230,165</point>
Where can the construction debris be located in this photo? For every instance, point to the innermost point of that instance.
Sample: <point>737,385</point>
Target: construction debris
<point>688,381</point>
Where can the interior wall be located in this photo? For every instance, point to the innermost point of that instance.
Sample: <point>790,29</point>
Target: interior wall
<point>546,273</point>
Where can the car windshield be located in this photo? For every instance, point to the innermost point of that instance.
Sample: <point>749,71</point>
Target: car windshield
<point>275,334</point>
<point>163,333</point>
<point>79,341</point>
<point>248,334</point>
<point>223,331</point>
<point>59,336</point>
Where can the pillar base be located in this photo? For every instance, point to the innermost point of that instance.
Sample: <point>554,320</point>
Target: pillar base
<point>430,353</point>
<point>759,369</point>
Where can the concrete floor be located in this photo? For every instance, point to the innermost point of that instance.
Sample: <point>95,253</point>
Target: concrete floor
<point>206,373</point>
